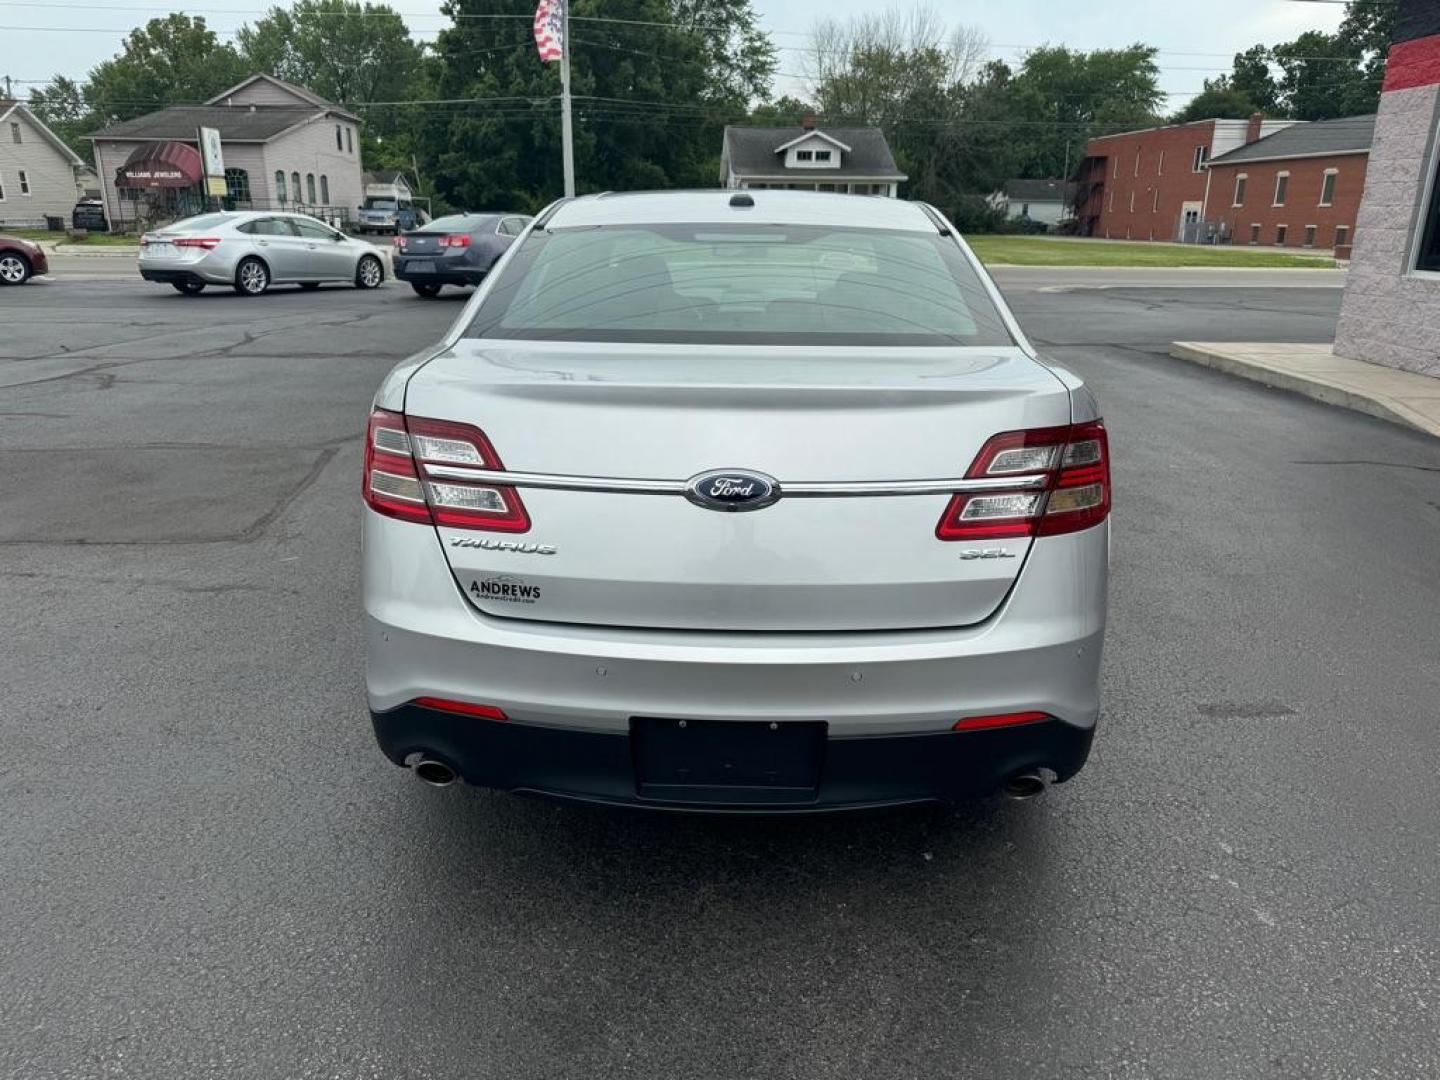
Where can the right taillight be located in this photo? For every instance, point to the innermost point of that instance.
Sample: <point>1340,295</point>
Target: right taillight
<point>398,482</point>
<point>1062,479</point>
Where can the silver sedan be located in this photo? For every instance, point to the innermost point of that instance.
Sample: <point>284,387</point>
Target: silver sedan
<point>250,251</point>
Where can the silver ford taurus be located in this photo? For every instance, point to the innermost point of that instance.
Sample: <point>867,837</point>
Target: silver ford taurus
<point>736,501</point>
<point>252,250</point>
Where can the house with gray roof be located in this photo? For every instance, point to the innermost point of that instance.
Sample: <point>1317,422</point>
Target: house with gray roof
<point>1046,202</point>
<point>37,169</point>
<point>284,148</point>
<point>848,160</point>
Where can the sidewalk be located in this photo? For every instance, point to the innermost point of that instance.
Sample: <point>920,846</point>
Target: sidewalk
<point>1401,397</point>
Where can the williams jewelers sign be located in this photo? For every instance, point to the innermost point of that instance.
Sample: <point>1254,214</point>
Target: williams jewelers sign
<point>161,165</point>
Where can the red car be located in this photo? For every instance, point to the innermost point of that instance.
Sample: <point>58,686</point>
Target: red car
<point>20,260</point>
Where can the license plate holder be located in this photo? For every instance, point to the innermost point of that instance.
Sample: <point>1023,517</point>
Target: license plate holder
<point>727,762</point>
<point>420,266</point>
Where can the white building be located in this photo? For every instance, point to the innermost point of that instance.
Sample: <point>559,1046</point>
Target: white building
<point>37,170</point>
<point>1047,202</point>
<point>284,148</point>
<point>856,161</point>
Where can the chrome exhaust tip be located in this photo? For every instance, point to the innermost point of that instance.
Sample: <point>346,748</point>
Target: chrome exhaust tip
<point>1026,785</point>
<point>435,773</point>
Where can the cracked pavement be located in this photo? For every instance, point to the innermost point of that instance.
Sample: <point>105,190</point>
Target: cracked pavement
<point>208,870</point>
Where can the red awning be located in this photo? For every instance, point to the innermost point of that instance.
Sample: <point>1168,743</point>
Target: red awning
<point>161,165</point>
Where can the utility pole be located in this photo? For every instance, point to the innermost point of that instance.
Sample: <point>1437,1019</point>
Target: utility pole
<point>567,132</point>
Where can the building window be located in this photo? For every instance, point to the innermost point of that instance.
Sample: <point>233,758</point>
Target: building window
<point>822,155</point>
<point>295,185</point>
<point>310,188</point>
<point>15,136</point>
<point>2,187</point>
<point>1255,233</point>
<point>1327,187</point>
<point>1282,185</point>
<point>1280,233</point>
<point>1427,255</point>
<point>1342,235</point>
<point>1202,155</point>
<point>1110,202</point>
<point>338,144</point>
<point>24,182</point>
<point>1137,162</point>
<point>237,185</point>
<point>1132,201</point>
<point>1115,172</point>
<point>1160,164</point>
<point>1240,190</point>
<point>804,155</point>
<point>350,140</point>
<point>280,186</point>
<point>1155,201</point>
<point>1310,235</point>
<point>325,190</point>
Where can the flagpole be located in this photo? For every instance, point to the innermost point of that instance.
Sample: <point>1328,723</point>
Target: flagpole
<point>567,134</point>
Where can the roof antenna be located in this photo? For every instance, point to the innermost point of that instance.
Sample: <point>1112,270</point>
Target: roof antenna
<point>741,199</point>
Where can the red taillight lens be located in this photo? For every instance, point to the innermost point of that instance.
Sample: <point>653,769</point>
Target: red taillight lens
<point>468,708</point>
<point>1073,460</point>
<point>398,450</point>
<point>209,243</point>
<point>457,240</point>
<point>975,723</point>
<point>400,242</point>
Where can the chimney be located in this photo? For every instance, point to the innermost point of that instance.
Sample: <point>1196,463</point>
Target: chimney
<point>1252,129</point>
<point>808,121</point>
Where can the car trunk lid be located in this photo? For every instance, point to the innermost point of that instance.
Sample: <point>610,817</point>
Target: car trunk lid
<point>803,416</point>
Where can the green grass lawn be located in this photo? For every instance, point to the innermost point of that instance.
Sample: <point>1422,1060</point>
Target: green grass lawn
<point>95,239</point>
<point>1053,251</point>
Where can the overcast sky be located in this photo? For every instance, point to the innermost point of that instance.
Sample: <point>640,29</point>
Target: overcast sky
<point>1194,42</point>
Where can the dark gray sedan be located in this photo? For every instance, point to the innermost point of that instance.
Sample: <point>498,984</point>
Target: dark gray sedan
<point>458,249</point>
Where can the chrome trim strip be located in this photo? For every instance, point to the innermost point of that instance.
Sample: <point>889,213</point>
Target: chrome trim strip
<point>824,489</point>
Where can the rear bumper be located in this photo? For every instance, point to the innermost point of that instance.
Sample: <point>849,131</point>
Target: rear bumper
<point>888,698</point>
<point>441,275</point>
<point>202,273</point>
<point>860,771</point>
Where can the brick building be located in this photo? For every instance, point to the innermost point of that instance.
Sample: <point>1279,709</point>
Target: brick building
<point>1152,184</point>
<point>1299,187</point>
<point>1391,311</point>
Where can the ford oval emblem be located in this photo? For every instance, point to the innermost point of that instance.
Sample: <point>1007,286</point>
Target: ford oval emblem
<point>732,490</point>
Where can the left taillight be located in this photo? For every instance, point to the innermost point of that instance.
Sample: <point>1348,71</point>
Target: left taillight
<point>209,243</point>
<point>399,453</point>
<point>455,240</point>
<point>400,242</point>
<point>1072,461</point>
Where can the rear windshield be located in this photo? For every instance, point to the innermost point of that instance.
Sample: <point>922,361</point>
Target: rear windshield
<point>740,284</point>
<point>204,221</point>
<point>453,223</point>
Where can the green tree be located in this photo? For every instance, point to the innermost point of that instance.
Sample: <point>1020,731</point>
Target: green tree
<point>1252,75</point>
<point>785,111</point>
<point>1323,76</point>
<point>1063,97</point>
<point>650,98</point>
<point>168,61</point>
<point>60,105</point>
<point>1369,25</point>
<point>343,51</point>
<point>1218,100</point>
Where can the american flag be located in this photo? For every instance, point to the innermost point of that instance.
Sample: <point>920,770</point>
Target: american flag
<point>549,37</point>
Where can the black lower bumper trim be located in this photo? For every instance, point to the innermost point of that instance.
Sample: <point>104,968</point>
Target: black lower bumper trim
<point>855,772</point>
<point>172,276</point>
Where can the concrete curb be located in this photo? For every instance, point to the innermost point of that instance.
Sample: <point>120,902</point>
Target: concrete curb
<point>85,251</point>
<point>1401,397</point>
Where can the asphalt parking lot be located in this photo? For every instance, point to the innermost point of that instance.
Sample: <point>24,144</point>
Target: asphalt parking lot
<point>208,870</point>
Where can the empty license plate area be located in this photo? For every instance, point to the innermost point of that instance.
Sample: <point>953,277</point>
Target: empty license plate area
<point>727,761</point>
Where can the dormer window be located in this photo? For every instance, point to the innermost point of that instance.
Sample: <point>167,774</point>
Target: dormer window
<point>820,155</point>
<point>808,155</point>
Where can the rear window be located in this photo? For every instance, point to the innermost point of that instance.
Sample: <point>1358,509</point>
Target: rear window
<point>740,284</point>
<point>204,221</point>
<point>379,204</point>
<point>453,223</point>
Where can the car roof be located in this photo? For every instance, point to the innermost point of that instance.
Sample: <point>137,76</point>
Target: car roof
<point>770,208</point>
